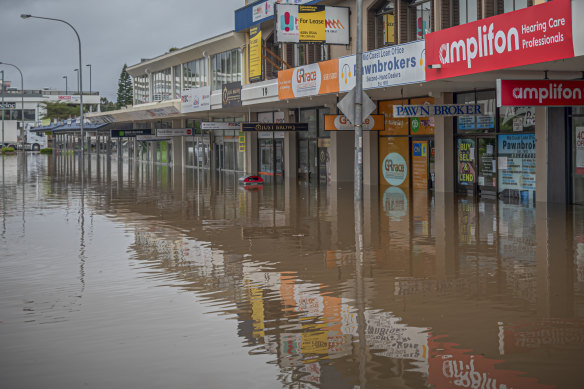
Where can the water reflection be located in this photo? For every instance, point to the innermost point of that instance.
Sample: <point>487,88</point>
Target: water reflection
<point>449,292</point>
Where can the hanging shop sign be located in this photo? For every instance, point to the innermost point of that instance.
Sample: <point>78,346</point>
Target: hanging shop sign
<point>231,95</point>
<point>314,79</point>
<point>540,33</point>
<point>255,54</point>
<point>196,99</point>
<point>274,126</point>
<point>409,111</point>
<point>166,132</point>
<point>312,24</point>
<point>539,92</point>
<point>388,66</point>
<point>341,123</point>
<point>129,133</point>
<point>220,126</point>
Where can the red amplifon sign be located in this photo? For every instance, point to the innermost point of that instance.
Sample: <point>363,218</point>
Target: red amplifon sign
<point>535,34</point>
<point>539,92</point>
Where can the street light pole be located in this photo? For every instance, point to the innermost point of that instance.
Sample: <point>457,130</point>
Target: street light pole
<point>26,16</point>
<point>77,71</point>
<point>66,86</point>
<point>22,103</point>
<point>89,77</point>
<point>3,108</point>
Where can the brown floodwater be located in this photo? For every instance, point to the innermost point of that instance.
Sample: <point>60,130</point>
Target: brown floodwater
<point>128,275</point>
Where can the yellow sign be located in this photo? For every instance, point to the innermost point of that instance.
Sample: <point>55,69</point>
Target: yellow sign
<point>241,141</point>
<point>255,54</point>
<point>311,23</point>
<point>389,29</point>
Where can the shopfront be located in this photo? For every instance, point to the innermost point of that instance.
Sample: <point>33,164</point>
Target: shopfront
<point>577,162</point>
<point>311,164</point>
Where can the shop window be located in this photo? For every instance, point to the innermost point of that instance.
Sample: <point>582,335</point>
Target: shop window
<point>514,5</point>
<point>467,11</point>
<point>162,85</point>
<point>477,124</point>
<point>516,119</point>
<point>176,83</point>
<point>195,74</point>
<point>420,20</point>
<point>141,90</point>
<point>381,26</point>
<point>225,68</point>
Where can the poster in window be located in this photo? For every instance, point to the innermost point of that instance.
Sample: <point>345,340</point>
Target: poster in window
<point>422,125</point>
<point>465,162</point>
<point>420,164</point>
<point>389,29</point>
<point>393,126</point>
<point>517,119</point>
<point>579,150</point>
<point>517,166</point>
<point>255,54</point>
<point>394,167</point>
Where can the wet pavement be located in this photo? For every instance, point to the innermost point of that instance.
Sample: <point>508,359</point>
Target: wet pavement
<point>130,275</point>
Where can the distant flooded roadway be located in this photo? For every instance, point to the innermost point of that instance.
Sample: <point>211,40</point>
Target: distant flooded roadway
<point>128,275</point>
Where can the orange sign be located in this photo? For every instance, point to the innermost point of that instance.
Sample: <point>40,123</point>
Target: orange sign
<point>310,80</point>
<point>393,126</point>
<point>340,123</point>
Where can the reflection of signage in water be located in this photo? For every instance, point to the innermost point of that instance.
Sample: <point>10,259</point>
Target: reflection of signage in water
<point>395,169</point>
<point>523,337</point>
<point>395,202</point>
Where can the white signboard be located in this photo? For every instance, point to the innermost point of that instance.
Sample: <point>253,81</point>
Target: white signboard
<point>410,111</point>
<point>388,66</point>
<point>166,132</point>
<point>196,99</point>
<point>266,8</point>
<point>336,20</point>
<point>220,126</point>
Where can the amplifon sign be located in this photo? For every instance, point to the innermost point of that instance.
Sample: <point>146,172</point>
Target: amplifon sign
<point>539,92</point>
<point>534,34</point>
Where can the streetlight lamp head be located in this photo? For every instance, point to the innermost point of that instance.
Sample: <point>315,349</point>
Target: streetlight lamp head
<point>25,16</point>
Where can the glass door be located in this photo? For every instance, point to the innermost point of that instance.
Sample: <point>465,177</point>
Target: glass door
<point>465,164</point>
<point>487,166</point>
<point>578,160</point>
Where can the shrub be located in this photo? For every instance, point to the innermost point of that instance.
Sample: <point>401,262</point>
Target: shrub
<point>47,150</point>
<point>7,150</point>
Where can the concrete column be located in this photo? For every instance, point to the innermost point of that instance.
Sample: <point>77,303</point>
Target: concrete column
<point>551,141</point>
<point>178,151</point>
<point>290,157</point>
<point>152,152</point>
<point>109,146</point>
<point>135,149</point>
<point>445,225</point>
<point>251,153</point>
<point>370,158</point>
<point>341,153</point>
<point>444,148</point>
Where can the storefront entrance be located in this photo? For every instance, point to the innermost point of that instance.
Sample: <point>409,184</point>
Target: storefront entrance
<point>271,158</point>
<point>476,166</point>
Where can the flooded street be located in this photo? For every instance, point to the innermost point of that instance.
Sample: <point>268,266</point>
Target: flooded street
<point>128,275</point>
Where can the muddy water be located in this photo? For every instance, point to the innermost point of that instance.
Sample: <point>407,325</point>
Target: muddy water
<point>133,276</point>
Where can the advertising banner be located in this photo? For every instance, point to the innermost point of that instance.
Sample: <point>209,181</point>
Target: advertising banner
<point>166,132</point>
<point>312,24</point>
<point>8,105</point>
<point>220,126</point>
<point>196,99</point>
<point>579,150</point>
<point>539,92</point>
<point>388,66</point>
<point>534,34</point>
<point>255,54</point>
<point>340,123</point>
<point>394,156</point>
<point>231,95</point>
<point>393,125</point>
<point>465,157</point>
<point>314,79</point>
<point>517,166</point>
<point>266,8</point>
<point>420,164</point>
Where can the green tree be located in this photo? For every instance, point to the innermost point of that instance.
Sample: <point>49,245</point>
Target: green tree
<point>58,110</point>
<point>125,94</point>
<point>106,105</point>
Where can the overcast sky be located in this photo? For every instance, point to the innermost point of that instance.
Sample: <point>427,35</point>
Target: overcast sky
<point>112,32</point>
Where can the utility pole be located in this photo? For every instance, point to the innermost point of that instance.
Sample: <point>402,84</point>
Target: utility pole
<point>358,170</point>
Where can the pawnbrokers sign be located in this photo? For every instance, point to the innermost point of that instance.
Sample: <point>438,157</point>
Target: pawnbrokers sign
<point>410,111</point>
<point>274,126</point>
<point>539,92</point>
<point>312,24</point>
<point>534,34</point>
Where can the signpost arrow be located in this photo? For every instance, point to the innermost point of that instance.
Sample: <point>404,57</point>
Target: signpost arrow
<point>347,105</point>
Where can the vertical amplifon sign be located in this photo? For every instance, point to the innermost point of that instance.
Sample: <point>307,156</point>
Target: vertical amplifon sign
<point>312,23</point>
<point>535,34</point>
<point>255,54</point>
<point>539,92</point>
<point>309,80</point>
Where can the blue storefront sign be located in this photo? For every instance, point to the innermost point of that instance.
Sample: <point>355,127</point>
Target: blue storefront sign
<point>517,166</point>
<point>261,11</point>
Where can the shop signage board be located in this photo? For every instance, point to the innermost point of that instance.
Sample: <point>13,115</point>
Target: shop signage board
<point>410,111</point>
<point>517,165</point>
<point>389,66</point>
<point>579,150</point>
<point>310,80</point>
<point>341,123</point>
<point>166,132</point>
<point>220,126</point>
<point>231,95</point>
<point>150,138</point>
<point>265,9</point>
<point>8,105</point>
<point>540,33</point>
<point>255,53</point>
<point>274,126</point>
<point>129,133</point>
<point>312,24</point>
<point>394,156</point>
<point>196,99</point>
<point>540,92</point>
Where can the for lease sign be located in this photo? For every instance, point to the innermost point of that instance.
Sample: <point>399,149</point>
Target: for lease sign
<point>535,34</point>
